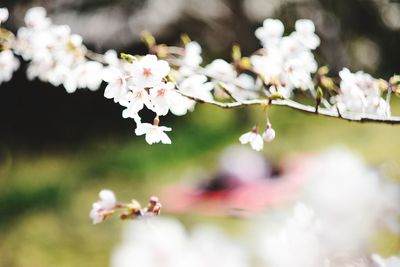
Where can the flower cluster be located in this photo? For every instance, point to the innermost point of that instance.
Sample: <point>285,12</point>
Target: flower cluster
<point>286,62</point>
<point>256,140</point>
<point>3,15</point>
<point>164,242</point>
<point>108,204</point>
<point>298,241</point>
<point>360,93</point>
<point>55,55</point>
<point>172,79</point>
<point>8,62</point>
<point>143,83</point>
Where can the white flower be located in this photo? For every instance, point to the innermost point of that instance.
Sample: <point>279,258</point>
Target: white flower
<point>36,18</point>
<point>305,32</point>
<point>269,135</point>
<point>192,58</point>
<point>117,85</point>
<point>8,64</point>
<point>107,202</point>
<point>165,242</point>
<point>295,242</point>
<point>350,187</point>
<point>3,15</point>
<point>287,62</point>
<point>271,31</point>
<point>359,93</point>
<point>154,133</point>
<point>85,75</point>
<point>244,88</point>
<point>190,61</point>
<point>164,97</point>
<point>221,70</point>
<point>148,72</point>
<point>197,86</point>
<point>134,101</point>
<point>255,140</point>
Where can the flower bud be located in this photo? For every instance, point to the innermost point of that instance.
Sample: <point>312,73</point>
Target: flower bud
<point>269,135</point>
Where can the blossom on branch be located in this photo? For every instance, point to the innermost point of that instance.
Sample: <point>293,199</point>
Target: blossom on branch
<point>360,93</point>
<point>3,15</point>
<point>253,138</point>
<point>108,205</point>
<point>8,64</point>
<point>171,79</point>
<point>153,133</point>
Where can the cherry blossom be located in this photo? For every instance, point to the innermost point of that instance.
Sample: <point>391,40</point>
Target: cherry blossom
<point>269,135</point>
<point>359,92</point>
<point>165,98</point>
<point>153,133</point>
<point>389,262</point>
<point>287,62</point>
<point>283,65</point>
<point>255,140</point>
<point>117,85</point>
<point>101,208</point>
<point>191,60</point>
<point>8,64</point>
<point>271,31</point>
<point>3,15</point>
<point>36,17</point>
<point>197,86</point>
<point>165,242</point>
<point>134,101</point>
<point>305,33</point>
<point>148,72</point>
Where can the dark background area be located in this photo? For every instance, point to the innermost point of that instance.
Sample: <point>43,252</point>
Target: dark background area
<point>37,116</point>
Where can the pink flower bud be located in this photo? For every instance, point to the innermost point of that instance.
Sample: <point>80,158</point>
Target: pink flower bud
<point>269,135</point>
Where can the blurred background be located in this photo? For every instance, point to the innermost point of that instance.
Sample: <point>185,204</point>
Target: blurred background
<point>58,150</point>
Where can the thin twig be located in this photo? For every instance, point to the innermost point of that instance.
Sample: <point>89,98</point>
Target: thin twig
<point>300,107</point>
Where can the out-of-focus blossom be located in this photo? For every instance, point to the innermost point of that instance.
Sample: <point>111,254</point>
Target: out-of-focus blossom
<point>271,32</point>
<point>305,32</point>
<point>56,55</point>
<point>295,243</point>
<point>198,87</point>
<point>287,61</point>
<point>100,208</point>
<point>3,15</point>
<point>36,18</point>
<point>8,64</point>
<point>360,93</point>
<point>85,75</point>
<point>221,70</point>
<point>389,262</point>
<point>341,188</point>
<point>165,242</point>
<point>191,60</point>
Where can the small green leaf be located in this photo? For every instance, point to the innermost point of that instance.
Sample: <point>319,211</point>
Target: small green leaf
<point>129,58</point>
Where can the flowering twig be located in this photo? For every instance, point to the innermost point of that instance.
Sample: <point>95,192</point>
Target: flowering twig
<point>108,205</point>
<point>300,107</point>
<point>171,79</point>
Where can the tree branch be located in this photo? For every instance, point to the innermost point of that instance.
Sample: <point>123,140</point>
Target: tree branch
<point>300,107</point>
